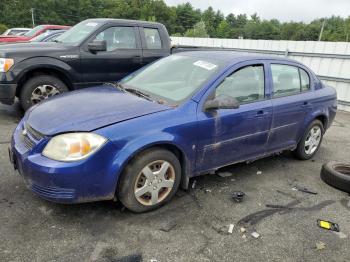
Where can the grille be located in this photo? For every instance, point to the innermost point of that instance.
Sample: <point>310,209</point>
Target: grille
<point>30,136</point>
<point>33,133</point>
<point>53,192</point>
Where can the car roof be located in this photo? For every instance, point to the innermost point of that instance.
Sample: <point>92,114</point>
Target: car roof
<point>232,57</point>
<point>126,21</point>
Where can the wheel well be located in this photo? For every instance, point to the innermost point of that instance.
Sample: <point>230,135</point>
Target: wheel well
<point>177,152</point>
<point>323,120</point>
<point>43,71</point>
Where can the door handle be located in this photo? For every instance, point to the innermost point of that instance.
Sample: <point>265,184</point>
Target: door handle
<point>305,104</point>
<point>261,113</point>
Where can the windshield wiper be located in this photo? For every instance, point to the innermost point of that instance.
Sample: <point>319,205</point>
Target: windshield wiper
<point>116,85</point>
<point>57,41</point>
<point>138,93</point>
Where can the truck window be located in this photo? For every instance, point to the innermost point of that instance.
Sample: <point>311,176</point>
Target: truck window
<point>118,37</point>
<point>152,38</point>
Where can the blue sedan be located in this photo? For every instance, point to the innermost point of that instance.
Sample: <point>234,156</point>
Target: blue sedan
<point>185,115</point>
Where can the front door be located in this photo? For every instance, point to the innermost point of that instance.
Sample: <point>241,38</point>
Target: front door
<point>229,135</point>
<point>123,55</point>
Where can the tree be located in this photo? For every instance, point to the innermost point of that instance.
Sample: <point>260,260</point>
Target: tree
<point>186,17</point>
<point>212,20</point>
<point>181,19</point>
<point>198,30</point>
<point>3,28</point>
<point>224,30</point>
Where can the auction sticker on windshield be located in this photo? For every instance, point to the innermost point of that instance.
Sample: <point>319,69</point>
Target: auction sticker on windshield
<point>205,65</point>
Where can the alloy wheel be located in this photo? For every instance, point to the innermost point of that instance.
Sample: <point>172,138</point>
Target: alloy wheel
<point>313,140</point>
<point>154,183</point>
<point>43,92</point>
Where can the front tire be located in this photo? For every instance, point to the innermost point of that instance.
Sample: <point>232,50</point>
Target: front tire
<point>150,180</point>
<point>39,88</point>
<point>311,141</point>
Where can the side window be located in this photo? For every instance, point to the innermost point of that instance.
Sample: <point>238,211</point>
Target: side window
<point>152,38</point>
<point>118,37</point>
<point>304,80</point>
<point>286,80</point>
<point>247,84</point>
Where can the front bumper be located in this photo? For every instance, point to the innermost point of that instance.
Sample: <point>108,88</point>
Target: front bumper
<point>88,180</point>
<point>7,93</point>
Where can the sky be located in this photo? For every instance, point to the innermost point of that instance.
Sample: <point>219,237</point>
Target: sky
<point>283,10</point>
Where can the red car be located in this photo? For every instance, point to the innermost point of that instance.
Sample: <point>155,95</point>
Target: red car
<point>32,33</point>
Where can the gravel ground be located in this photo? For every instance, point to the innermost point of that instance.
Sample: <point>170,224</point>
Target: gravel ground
<point>194,226</point>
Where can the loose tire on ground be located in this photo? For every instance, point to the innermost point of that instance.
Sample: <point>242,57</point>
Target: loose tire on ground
<point>337,175</point>
<point>155,169</point>
<point>37,81</point>
<point>300,151</point>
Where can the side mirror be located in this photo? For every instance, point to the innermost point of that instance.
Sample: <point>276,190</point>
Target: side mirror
<point>221,102</point>
<point>96,46</point>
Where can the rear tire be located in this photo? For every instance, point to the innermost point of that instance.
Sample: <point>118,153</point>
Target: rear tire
<point>311,141</point>
<point>39,88</point>
<point>150,180</point>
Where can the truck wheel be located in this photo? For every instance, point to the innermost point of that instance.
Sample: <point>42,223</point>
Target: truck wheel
<point>150,180</point>
<point>40,88</point>
<point>311,141</point>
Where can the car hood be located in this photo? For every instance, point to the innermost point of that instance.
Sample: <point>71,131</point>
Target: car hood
<point>31,49</point>
<point>87,110</point>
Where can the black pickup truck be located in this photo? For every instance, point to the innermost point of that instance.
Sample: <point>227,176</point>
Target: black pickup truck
<point>92,52</point>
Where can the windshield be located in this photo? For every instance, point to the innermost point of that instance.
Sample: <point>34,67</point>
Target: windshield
<point>174,78</point>
<point>78,33</point>
<point>39,38</point>
<point>34,31</point>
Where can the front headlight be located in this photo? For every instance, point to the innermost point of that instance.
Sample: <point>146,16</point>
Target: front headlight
<point>73,146</point>
<point>6,64</point>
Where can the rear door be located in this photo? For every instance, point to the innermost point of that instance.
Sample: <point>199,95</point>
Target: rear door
<point>123,55</point>
<point>292,101</point>
<point>154,44</point>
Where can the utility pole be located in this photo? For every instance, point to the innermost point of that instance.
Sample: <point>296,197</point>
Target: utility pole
<point>32,10</point>
<point>321,32</point>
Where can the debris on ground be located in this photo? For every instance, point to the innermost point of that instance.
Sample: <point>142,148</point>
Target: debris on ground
<point>224,174</point>
<point>194,184</point>
<point>328,225</point>
<point>132,258</point>
<point>278,206</point>
<point>255,234</point>
<point>207,191</point>
<point>256,217</point>
<point>340,235</point>
<point>244,236</point>
<point>219,228</point>
<point>259,172</point>
<point>166,227</point>
<point>320,245</point>
<point>230,228</point>
<point>304,189</point>
<point>233,180</point>
<point>238,196</point>
<point>242,229</point>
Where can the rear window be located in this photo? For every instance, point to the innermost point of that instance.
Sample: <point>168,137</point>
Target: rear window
<point>152,38</point>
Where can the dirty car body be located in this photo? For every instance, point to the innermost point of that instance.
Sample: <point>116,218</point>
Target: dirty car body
<point>271,115</point>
